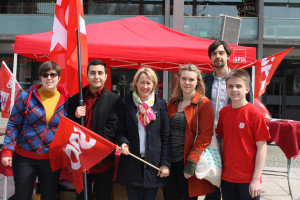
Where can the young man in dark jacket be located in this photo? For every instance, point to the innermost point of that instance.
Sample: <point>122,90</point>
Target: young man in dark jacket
<point>100,115</point>
<point>219,54</point>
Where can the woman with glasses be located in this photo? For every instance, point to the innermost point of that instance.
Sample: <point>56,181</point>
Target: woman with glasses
<point>30,130</point>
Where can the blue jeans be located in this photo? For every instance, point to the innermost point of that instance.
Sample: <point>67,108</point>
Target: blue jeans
<point>25,172</point>
<point>236,191</point>
<point>139,193</point>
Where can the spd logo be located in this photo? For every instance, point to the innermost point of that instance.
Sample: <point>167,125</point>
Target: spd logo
<point>239,56</point>
<point>78,141</point>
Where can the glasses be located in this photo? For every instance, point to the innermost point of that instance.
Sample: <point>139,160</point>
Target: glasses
<point>52,75</point>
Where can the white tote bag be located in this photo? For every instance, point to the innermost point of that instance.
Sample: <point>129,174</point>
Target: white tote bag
<point>209,165</point>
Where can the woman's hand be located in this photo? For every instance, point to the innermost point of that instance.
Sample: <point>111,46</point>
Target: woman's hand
<point>7,161</point>
<point>164,171</point>
<point>125,149</point>
<point>80,111</point>
<point>186,175</point>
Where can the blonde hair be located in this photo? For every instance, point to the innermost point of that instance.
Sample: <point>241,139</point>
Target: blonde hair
<point>178,95</point>
<point>149,72</point>
<point>239,73</point>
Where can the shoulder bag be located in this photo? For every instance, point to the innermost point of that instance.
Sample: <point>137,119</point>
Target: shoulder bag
<point>209,165</point>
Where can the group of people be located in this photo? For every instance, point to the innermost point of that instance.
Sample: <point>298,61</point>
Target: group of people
<point>145,125</point>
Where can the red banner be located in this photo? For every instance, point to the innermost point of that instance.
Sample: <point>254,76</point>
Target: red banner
<point>69,18</point>
<point>6,82</point>
<point>264,70</point>
<point>77,148</point>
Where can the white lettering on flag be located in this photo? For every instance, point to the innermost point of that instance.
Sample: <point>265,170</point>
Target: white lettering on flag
<point>265,68</point>
<point>59,35</point>
<point>4,98</point>
<point>78,142</point>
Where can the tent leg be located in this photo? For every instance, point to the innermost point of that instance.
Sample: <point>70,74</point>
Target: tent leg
<point>5,188</point>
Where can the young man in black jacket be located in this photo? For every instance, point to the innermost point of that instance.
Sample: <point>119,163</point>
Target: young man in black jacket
<point>100,115</point>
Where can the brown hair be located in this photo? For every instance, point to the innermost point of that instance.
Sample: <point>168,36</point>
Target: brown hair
<point>47,66</point>
<point>178,95</point>
<point>239,73</point>
<point>149,72</point>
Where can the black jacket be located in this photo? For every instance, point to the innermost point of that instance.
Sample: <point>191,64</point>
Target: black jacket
<point>209,80</point>
<point>132,172</point>
<point>105,118</point>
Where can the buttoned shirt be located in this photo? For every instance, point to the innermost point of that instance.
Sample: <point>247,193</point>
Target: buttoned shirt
<point>219,97</point>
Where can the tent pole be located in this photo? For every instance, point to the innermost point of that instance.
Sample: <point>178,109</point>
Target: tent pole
<point>11,105</point>
<point>253,82</point>
<point>13,89</point>
<point>165,85</point>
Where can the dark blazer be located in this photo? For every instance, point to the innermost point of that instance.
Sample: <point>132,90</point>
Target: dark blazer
<point>105,118</point>
<point>209,80</point>
<point>132,172</point>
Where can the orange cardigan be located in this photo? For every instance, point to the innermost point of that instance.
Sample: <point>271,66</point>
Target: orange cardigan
<point>192,152</point>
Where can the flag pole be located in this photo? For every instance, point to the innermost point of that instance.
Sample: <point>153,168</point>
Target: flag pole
<point>81,103</point>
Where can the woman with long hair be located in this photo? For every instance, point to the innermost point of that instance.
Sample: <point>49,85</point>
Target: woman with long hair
<point>188,104</point>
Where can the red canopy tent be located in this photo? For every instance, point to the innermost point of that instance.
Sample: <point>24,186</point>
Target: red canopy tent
<point>137,41</point>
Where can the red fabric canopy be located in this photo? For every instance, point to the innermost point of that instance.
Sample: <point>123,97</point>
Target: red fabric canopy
<point>137,41</point>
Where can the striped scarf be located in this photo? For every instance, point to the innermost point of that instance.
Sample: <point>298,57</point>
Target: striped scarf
<point>144,113</point>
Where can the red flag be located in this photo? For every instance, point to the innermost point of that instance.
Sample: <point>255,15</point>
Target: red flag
<point>6,171</point>
<point>6,82</point>
<point>69,18</point>
<point>264,70</point>
<point>77,148</point>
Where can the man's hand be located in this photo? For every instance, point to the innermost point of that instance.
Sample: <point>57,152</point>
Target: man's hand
<point>164,171</point>
<point>7,161</point>
<point>124,149</point>
<point>254,188</point>
<point>80,111</point>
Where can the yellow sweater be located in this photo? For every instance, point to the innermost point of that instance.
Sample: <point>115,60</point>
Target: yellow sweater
<point>49,101</point>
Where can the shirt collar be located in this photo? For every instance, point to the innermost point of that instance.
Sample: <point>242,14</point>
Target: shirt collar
<point>89,93</point>
<point>214,74</point>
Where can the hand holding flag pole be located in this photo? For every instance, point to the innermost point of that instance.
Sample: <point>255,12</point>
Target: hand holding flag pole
<point>141,160</point>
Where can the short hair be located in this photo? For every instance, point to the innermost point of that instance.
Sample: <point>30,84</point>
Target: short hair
<point>147,71</point>
<point>47,66</point>
<point>178,94</point>
<point>239,73</point>
<point>216,44</point>
<point>96,62</point>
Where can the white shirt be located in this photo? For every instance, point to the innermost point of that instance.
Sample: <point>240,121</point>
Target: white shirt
<point>219,97</point>
<point>142,135</point>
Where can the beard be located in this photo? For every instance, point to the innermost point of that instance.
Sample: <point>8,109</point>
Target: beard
<point>219,65</point>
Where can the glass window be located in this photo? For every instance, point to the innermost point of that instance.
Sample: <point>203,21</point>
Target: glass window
<point>121,81</point>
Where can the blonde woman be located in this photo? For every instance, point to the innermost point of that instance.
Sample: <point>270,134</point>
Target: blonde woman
<point>188,101</point>
<point>143,131</point>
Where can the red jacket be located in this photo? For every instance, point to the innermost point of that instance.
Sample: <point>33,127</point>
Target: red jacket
<point>193,151</point>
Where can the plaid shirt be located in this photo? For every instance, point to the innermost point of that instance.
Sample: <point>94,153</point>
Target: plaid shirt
<point>27,132</point>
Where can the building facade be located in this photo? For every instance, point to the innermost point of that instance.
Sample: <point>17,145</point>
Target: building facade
<point>271,26</point>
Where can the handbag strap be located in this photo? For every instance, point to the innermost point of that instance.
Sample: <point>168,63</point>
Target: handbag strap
<point>197,124</point>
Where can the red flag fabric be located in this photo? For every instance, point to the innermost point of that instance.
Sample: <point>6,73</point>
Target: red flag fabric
<point>6,82</point>
<point>68,18</point>
<point>264,70</point>
<point>6,171</point>
<point>77,148</point>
